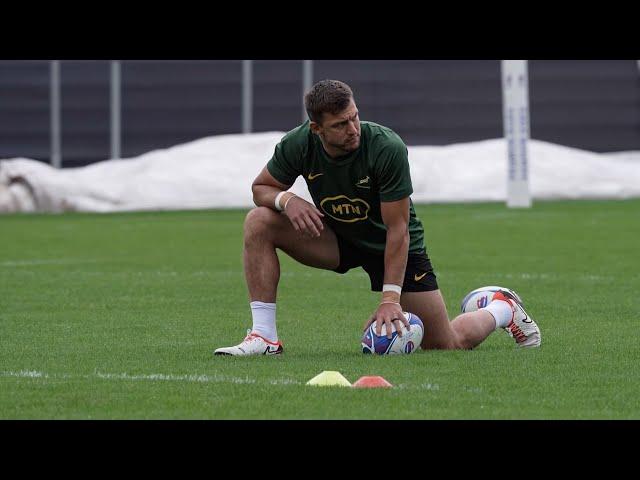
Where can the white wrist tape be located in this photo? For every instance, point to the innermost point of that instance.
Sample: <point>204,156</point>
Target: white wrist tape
<point>277,202</point>
<point>390,287</point>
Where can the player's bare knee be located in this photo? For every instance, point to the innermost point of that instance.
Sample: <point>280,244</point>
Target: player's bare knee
<point>442,345</point>
<point>462,335</point>
<point>259,222</point>
<point>450,342</point>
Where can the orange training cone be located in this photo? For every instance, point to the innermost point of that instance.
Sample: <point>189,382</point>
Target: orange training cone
<point>371,382</point>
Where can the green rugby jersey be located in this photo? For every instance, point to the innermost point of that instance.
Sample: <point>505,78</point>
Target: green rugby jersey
<point>349,189</point>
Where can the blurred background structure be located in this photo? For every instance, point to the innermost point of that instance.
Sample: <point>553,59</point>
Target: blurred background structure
<point>74,113</point>
<point>184,134</point>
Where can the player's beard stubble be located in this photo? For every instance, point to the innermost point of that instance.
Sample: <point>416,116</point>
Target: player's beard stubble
<point>348,146</point>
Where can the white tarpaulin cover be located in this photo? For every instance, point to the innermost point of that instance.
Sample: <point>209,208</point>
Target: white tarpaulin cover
<point>217,171</point>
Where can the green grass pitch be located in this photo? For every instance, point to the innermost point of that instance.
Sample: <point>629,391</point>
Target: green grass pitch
<point>115,316</point>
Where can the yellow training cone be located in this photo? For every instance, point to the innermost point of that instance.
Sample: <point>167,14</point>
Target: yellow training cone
<point>329,378</point>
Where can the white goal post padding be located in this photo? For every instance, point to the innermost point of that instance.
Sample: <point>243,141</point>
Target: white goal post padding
<point>515,105</point>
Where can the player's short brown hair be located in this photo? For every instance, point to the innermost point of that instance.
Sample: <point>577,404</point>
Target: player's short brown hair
<point>327,96</point>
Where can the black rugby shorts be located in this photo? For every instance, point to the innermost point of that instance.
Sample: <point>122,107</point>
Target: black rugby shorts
<point>418,277</point>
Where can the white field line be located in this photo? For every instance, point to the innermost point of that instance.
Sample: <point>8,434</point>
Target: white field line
<point>126,376</point>
<point>25,374</point>
<point>355,275</point>
<point>555,276</point>
<point>174,378</point>
<point>198,378</point>
<point>33,262</point>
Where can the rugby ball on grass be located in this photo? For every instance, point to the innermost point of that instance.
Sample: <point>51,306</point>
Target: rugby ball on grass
<point>405,344</point>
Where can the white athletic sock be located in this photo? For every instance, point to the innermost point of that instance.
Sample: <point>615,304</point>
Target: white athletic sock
<point>264,320</point>
<point>502,312</point>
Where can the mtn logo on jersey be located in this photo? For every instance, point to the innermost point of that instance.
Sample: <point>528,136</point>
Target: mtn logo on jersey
<point>345,209</point>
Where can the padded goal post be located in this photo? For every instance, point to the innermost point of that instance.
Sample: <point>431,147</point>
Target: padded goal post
<point>515,103</point>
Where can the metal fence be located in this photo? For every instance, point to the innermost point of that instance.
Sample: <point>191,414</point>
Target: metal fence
<point>116,104</point>
<point>71,113</point>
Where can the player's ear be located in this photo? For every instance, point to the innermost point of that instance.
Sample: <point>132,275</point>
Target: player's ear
<point>315,127</point>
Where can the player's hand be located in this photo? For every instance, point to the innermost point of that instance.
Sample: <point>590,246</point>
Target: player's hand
<point>388,313</point>
<point>305,217</point>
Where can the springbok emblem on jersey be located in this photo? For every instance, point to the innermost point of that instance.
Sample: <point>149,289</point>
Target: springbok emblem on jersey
<point>363,183</point>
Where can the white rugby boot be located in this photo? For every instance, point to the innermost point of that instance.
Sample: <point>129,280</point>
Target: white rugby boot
<point>522,328</point>
<point>253,344</point>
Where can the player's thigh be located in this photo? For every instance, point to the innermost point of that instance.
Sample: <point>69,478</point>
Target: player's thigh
<point>431,309</point>
<point>318,252</point>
